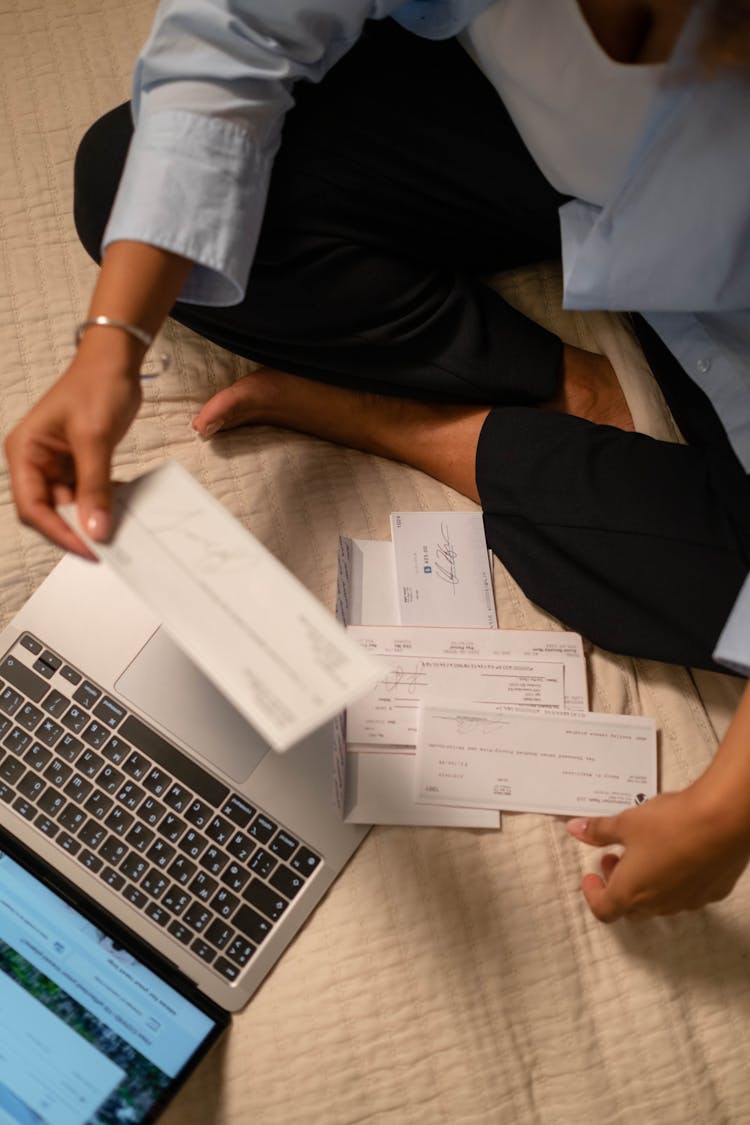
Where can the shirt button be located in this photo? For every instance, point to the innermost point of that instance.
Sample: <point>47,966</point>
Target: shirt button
<point>703,365</point>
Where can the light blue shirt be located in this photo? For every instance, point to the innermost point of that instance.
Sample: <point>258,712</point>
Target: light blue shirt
<point>215,78</point>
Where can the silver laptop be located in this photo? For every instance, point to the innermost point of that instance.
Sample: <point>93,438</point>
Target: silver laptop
<point>138,788</point>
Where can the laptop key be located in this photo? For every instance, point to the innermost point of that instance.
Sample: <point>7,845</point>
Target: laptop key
<point>241,846</point>
<point>240,951</point>
<point>116,750</point>
<point>56,704</point>
<point>22,678</point>
<point>139,837</point>
<point>70,674</point>
<point>198,813</point>
<point>130,795</point>
<point>176,900</point>
<point>136,766</point>
<point>235,877</point>
<point>11,769</point>
<point>132,894</point>
<point>214,860</point>
<point>224,903</point>
<point>157,913</point>
<point>68,844</point>
<point>68,747</point>
<point>251,924</point>
<point>89,763</point>
<point>226,968</point>
<point>182,933</point>
<point>78,788</point>
<point>219,830</point>
<point>87,694</point>
<point>262,829</point>
<point>51,659</point>
<point>24,808</point>
<point>29,716</point>
<point>92,834</point>
<point>112,878</point>
<point>30,786</point>
<point>197,916</point>
<point>31,643</point>
<point>5,725</point>
<point>266,899</point>
<point>172,827</point>
<point>160,853</point>
<point>37,757</point>
<point>17,740</point>
<point>157,781</point>
<point>88,859</point>
<point>6,793</point>
<point>50,801</point>
<point>110,779</point>
<point>119,820</point>
<point>98,804</point>
<point>177,797</point>
<point>48,732</point>
<point>47,826</point>
<point>57,772</point>
<point>263,863</point>
<point>203,950</point>
<point>134,866</point>
<point>284,845</point>
<point>10,701</point>
<point>154,883</point>
<point>72,817</point>
<point>75,719</point>
<point>305,861</point>
<point>219,933</point>
<point>203,886</point>
<point>110,712</point>
<point>96,734</point>
<point>238,811</point>
<point>152,811</point>
<point>113,850</point>
<point>289,882</point>
<point>182,870</point>
<point>192,843</point>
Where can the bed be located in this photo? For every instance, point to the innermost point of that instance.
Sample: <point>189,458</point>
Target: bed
<point>450,975</point>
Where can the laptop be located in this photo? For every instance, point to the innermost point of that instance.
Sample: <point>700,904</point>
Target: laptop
<point>157,855</point>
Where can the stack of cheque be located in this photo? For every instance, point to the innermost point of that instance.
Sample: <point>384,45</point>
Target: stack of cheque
<point>467,719</point>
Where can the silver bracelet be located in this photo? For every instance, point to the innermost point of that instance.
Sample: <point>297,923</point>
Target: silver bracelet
<point>133,330</point>
<point>107,322</point>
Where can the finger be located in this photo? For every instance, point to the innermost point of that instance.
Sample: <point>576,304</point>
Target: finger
<point>596,830</point>
<point>93,487</point>
<point>599,899</point>
<point>31,493</point>
<point>609,863</point>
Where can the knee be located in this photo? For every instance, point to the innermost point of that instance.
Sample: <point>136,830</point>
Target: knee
<point>98,167</point>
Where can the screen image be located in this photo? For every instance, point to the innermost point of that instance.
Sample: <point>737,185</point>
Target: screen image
<point>88,1034</point>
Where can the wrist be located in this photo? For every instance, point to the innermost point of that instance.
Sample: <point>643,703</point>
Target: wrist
<point>110,350</point>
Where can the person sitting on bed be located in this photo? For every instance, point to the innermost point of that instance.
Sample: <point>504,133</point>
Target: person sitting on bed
<point>418,166</point>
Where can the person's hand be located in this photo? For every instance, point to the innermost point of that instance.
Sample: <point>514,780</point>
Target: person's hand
<point>62,449</point>
<point>680,853</point>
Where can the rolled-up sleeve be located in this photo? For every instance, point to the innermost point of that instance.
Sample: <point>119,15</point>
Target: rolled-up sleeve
<point>210,91</point>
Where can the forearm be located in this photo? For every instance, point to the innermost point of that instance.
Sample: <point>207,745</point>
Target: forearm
<point>724,788</point>
<point>138,284</point>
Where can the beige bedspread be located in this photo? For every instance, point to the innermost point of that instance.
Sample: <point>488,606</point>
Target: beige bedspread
<point>450,976</point>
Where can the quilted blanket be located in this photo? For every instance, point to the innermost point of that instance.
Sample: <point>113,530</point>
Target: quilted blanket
<point>449,976</point>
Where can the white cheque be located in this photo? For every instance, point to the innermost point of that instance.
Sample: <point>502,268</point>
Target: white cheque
<point>563,764</point>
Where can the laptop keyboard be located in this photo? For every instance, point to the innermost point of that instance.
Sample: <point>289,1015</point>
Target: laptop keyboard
<point>126,804</point>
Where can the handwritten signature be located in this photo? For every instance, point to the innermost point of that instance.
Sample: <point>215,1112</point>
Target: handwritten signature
<point>445,558</point>
<point>400,678</point>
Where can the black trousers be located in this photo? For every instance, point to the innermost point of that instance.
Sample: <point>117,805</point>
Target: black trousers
<point>400,183</point>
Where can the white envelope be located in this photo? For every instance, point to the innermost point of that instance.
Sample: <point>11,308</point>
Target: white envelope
<point>379,788</point>
<point>572,765</point>
<point>443,569</point>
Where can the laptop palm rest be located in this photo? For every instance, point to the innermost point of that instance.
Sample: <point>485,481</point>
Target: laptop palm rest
<point>164,684</point>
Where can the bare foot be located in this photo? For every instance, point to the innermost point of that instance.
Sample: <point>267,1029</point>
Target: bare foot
<point>590,389</point>
<point>438,438</point>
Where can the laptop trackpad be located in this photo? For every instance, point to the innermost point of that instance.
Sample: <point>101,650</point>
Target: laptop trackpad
<point>162,682</point>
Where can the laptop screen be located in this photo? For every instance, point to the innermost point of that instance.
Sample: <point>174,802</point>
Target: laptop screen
<point>88,1034</point>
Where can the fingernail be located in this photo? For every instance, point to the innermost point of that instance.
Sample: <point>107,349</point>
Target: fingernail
<point>98,524</point>
<point>212,428</point>
<point>578,826</point>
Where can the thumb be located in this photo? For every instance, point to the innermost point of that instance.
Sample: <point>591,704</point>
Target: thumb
<point>597,830</point>
<point>94,488</point>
